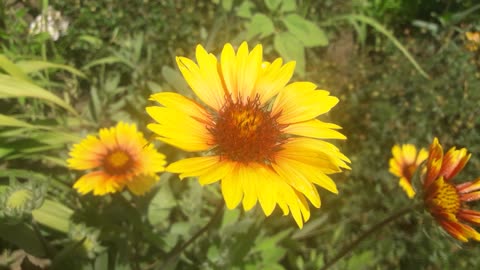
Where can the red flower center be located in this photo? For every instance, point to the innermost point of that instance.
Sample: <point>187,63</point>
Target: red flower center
<point>117,162</point>
<point>246,132</point>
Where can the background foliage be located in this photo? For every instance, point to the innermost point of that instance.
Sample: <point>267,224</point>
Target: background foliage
<point>400,68</point>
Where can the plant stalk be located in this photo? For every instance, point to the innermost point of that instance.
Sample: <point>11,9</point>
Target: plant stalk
<point>366,234</point>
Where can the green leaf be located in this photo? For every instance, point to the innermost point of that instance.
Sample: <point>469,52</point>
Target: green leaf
<point>244,10</point>
<point>161,205</point>
<point>8,121</point>
<point>288,5</point>
<point>12,69</point>
<point>272,5</point>
<point>109,60</point>
<point>174,78</point>
<point>154,87</point>
<point>11,87</point>
<point>34,66</point>
<point>24,237</point>
<point>306,31</point>
<point>261,25</point>
<point>53,215</point>
<point>380,28</point>
<point>227,4</point>
<point>291,49</point>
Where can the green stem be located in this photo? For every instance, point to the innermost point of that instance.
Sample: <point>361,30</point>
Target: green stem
<point>366,234</point>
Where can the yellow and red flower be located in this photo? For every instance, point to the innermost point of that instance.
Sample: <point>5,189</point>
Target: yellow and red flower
<point>258,135</point>
<point>446,201</point>
<point>405,162</point>
<point>120,156</point>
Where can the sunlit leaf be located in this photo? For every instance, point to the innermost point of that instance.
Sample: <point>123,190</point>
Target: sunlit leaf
<point>12,69</point>
<point>11,87</point>
<point>291,49</point>
<point>34,66</point>
<point>261,25</point>
<point>272,5</point>
<point>306,31</point>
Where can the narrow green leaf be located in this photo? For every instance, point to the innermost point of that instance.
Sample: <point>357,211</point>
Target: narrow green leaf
<point>174,78</point>
<point>291,49</point>
<point>261,25</point>
<point>8,121</point>
<point>108,60</point>
<point>34,66</point>
<point>306,31</point>
<point>380,28</point>
<point>12,69</point>
<point>154,87</point>
<point>11,87</point>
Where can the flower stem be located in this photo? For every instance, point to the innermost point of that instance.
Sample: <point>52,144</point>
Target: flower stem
<point>366,234</point>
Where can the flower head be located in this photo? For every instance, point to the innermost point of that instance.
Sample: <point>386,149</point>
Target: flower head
<point>444,200</point>
<point>120,156</point>
<point>473,41</point>
<point>258,135</point>
<point>406,159</point>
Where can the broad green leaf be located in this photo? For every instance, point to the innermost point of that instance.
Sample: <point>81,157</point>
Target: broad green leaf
<point>306,31</point>
<point>291,49</point>
<point>154,87</point>
<point>161,205</point>
<point>288,5</point>
<point>244,10</point>
<point>53,215</point>
<point>12,69</point>
<point>261,25</point>
<point>24,237</point>
<point>11,87</point>
<point>272,5</point>
<point>34,66</point>
<point>227,4</point>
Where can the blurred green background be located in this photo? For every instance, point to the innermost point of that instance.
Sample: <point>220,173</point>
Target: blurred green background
<point>404,72</point>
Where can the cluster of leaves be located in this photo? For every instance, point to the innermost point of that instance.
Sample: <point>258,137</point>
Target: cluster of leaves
<point>116,53</point>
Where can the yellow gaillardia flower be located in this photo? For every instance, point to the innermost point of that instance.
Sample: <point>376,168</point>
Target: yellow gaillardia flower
<point>120,156</point>
<point>258,135</point>
<point>473,41</point>
<point>406,159</point>
<point>443,199</point>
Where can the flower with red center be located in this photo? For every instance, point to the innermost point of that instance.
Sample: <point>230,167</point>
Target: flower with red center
<point>119,157</point>
<point>404,164</point>
<point>444,200</point>
<point>258,135</point>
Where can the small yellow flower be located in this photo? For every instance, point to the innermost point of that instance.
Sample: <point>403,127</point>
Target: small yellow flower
<point>120,156</point>
<point>404,164</point>
<point>444,200</point>
<point>258,135</point>
<point>473,41</point>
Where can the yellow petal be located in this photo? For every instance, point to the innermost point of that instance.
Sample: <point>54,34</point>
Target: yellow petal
<point>300,101</point>
<point>188,165</point>
<point>229,69</point>
<point>232,189</point>
<point>315,129</point>
<point>274,77</point>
